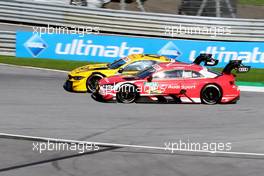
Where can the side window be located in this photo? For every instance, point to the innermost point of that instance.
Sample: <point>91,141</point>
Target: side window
<point>196,74</point>
<point>139,65</point>
<point>172,74</point>
<point>191,74</point>
<point>187,74</point>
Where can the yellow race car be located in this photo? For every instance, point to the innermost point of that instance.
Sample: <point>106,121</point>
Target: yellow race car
<point>85,78</point>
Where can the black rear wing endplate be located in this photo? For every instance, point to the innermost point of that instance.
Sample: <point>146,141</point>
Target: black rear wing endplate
<point>207,59</point>
<point>236,65</point>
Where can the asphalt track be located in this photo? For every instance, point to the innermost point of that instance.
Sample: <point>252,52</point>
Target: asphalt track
<point>33,102</point>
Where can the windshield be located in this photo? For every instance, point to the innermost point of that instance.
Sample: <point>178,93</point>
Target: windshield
<point>116,64</point>
<point>145,73</point>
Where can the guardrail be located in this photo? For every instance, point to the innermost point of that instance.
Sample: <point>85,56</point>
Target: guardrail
<point>124,22</point>
<point>120,22</point>
<point>7,43</point>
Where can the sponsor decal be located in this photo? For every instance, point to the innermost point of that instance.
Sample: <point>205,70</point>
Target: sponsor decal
<point>151,84</point>
<point>35,45</point>
<point>89,48</point>
<point>171,86</point>
<point>170,50</point>
<point>153,87</point>
<point>157,67</point>
<point>188,87</point>
<point>126,59</point>
<point>224,55</point>
<point>107,48</point>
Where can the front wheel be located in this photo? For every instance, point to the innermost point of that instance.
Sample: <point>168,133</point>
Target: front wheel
<point>92,82</point>
<point>127,93</point>
<point>211,94</point>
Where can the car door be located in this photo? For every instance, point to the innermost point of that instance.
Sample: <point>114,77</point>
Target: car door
<point>136,66</point>
<point>192,81</point>
<point>167,82</point>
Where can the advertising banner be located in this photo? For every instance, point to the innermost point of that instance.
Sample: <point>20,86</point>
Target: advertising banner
<point>107,48</point>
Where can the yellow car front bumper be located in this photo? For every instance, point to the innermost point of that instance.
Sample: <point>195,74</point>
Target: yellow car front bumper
<point>75,85</point>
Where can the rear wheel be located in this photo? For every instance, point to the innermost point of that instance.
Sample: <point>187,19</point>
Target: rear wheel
<point>211,94</point>
<point>92,82</point>
<point>127,93</point>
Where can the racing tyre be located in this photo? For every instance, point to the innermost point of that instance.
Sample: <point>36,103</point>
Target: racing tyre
<point>211,94</point>
<point>92,82</point>
<point>127,93</point>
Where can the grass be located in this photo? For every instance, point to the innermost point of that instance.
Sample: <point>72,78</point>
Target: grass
<point>255,75</point>
<point>252,2</point>
<point>43,63</point>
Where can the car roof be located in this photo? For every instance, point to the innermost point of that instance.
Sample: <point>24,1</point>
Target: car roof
<point>179,66</point>
<point>135,57</point>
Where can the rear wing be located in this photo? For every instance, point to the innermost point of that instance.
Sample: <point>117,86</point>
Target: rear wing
<point>236,65</point>
<point>207,59</point>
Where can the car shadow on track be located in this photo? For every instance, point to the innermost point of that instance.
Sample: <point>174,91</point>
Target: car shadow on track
<point>143,101</point>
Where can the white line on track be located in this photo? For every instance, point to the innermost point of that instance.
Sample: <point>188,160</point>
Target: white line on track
<point>35,68</point>
<point>130,146</point>
<point>251,89</point>
<point>242,88</point>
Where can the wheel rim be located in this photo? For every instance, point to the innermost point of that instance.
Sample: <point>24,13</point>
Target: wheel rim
<point>126,94</point>
<point>211,95</point>
<point>93,83</point>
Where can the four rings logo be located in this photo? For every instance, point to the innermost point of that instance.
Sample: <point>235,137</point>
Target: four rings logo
<point>35,45</point>
<point>243,69</point>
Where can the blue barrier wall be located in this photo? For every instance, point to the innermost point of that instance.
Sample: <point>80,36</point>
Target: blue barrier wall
<point>106,48</point>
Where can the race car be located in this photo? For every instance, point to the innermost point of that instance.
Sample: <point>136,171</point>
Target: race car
<point>85,78</point>
<point>173,82</point>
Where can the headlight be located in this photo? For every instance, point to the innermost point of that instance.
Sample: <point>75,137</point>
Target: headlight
<point>77,77</point>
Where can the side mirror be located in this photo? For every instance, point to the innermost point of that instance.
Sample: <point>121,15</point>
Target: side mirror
<point>121,70</point>
<point>149,79</point>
